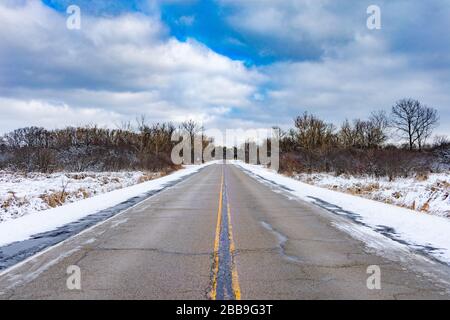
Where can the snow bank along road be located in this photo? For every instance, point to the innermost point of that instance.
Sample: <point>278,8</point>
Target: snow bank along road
<point>222,234</point>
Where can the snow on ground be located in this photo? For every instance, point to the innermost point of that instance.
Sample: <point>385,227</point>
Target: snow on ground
<point>25,193</point>
<point>42,221</point>
<point>426,194</point>
<point>420,232</point>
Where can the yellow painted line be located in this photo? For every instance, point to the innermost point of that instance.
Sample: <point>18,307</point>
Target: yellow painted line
<point>216,243</point>
<point>234,275</point>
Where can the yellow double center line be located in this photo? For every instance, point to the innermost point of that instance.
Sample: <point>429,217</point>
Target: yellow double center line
<point>225,276</point>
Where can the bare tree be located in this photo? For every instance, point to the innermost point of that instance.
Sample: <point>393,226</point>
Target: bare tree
<point>192,129</point>
<point>313,132</point>
<point>440,140</point>
<point>414,121</point>
<point>347,135</point>
<point>364,134</point>
<point>160,137</point>
<point>428,120</point>
<point>379,124</point>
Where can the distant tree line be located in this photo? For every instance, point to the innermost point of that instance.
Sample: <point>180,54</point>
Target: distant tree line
<point>361,146</point>
<point>90,148</point>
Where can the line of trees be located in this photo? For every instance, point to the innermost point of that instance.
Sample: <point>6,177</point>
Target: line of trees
<point>361,146</point>
<point>140,147</point>
<point>414,121</point>
<point>409,119</point>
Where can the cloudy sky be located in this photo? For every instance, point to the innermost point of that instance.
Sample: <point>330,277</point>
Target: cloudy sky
<point>225,63</point>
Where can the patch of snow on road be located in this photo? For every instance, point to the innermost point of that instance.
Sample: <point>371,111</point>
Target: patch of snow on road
<point>39,222</point>
<point>420,232</point>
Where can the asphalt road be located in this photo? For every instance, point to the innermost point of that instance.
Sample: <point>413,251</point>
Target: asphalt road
<point>220,234</point>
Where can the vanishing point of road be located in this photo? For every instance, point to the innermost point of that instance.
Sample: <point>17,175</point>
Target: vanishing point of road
<point>221,234</point>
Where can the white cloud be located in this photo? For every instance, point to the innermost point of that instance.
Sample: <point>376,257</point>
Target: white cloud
<point>125,64</point>
<point>293,19</point>
<point>186,20</point>
<point>363,77</point>
<point>19,113</point>
<point>116,68</point>
<point>293,28</point>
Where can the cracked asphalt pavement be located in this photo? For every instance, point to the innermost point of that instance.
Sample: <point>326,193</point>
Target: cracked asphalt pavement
<point>166,248</point>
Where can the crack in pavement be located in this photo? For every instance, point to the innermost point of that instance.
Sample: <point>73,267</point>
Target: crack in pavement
<point>282,240</point>
<point>425,250</point>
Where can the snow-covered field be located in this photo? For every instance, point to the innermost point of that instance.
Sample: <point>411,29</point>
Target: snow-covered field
<point>374,221</point>
<point>25,193</point>
<point>425,194</point>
